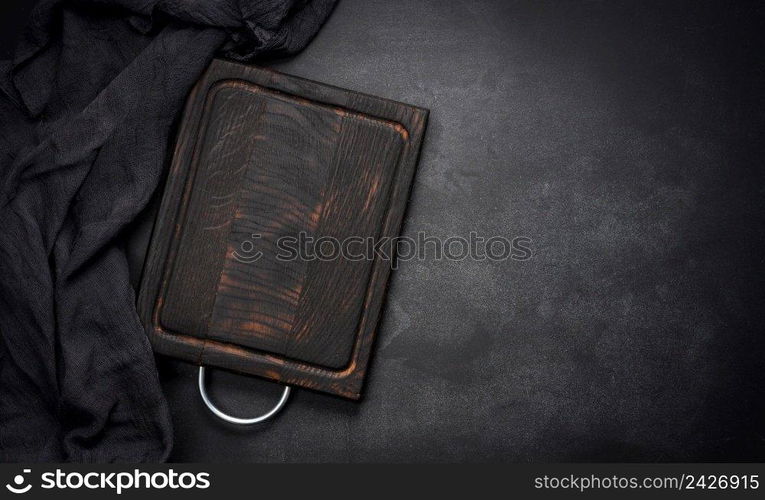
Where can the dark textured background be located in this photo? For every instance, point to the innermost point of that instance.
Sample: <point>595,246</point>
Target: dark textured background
<point>625,139</point>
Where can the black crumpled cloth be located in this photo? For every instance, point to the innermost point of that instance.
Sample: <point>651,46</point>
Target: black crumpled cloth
<point>86,112</point>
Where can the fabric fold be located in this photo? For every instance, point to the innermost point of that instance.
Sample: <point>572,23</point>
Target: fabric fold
<point>87,110</point>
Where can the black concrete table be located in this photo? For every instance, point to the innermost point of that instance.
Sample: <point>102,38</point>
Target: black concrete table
<point>624,139</point>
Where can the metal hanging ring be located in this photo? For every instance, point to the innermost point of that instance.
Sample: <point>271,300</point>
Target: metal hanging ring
<point>236,420</point>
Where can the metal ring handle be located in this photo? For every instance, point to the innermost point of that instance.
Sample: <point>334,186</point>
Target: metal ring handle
<point>236,420</point>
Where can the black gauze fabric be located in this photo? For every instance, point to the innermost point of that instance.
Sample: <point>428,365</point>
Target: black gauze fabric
<point>87,107</point>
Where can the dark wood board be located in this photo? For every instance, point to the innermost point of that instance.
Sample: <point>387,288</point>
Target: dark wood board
<point>262,156</point>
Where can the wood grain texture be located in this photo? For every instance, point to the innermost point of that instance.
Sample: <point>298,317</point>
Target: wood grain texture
<point>262,156</point>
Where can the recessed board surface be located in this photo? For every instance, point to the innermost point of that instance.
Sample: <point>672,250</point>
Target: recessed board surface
<point>263,161</point>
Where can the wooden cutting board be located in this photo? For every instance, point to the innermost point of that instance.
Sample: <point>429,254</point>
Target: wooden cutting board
<point>262,158</point>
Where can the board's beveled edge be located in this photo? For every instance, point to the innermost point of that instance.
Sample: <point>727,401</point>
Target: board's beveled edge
<point>349,381</point>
